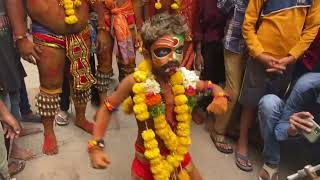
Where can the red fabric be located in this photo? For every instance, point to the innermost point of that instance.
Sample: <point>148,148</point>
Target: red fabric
<point>142,169</point>
<point>50,39</point>
<point>312,55</point>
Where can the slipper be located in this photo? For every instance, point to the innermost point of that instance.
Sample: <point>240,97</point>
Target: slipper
<point>219,141</point>
<point>20,165</point>
<point>238,158</point>
<point>268,173</point>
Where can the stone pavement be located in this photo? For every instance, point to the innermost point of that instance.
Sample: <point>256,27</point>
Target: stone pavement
<point>72,162</point>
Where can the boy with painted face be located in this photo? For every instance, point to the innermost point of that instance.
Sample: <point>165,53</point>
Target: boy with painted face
<point>162,96</point>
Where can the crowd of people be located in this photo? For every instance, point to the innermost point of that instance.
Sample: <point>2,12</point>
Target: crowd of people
<point>259,61</point>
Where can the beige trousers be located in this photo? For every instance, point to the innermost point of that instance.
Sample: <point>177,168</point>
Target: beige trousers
<point>234,69</point>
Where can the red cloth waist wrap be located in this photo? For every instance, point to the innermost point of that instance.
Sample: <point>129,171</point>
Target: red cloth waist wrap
<point>141,168</point>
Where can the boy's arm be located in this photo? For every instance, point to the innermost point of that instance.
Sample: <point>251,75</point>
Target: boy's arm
<point>311,28</point>
<point>219,104</point>
<point>248,28</point>
<point>104,114</point>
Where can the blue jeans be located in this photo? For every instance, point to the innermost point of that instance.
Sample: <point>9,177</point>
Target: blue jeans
<point>12,101</point>
<point>274,113</point>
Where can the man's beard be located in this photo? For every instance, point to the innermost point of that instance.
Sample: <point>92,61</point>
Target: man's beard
<point>171,67</point>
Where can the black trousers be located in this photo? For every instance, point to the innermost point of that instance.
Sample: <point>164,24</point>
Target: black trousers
<point>214,71</point>
<point>212,54</point>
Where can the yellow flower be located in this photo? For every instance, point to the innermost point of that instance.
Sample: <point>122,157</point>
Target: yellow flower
<point>183,175</point>
<point>160,118</point>
<point>127,105</point>
<point>68,5</point>
<point>167,166</point>
<point>144,66</point>
<point>185,140</point>
<point>183,126</point>
<point>151,144</point>
<point>181,109</point>
<point>178,89</point>
<point>174,6</point>
<point>70,12</point>
<point>77,3</point>
<point>155,161</point>
<point>143,116</point>
<point>180,100</point>
<point>138,88</point>
<point>160,125</point>
<point>185,117</point>
<point>148,135</point>
<point>184,133</point>
<point>173,161</point>
<point>179,157</point>
<point>177,78</point>
<point>140,108</point>
<point>182,150</point>
<point>157,169</point>
<point>158,5</point>
<point>152,153</point>
<point>140,76</point>
<point>138,98</point>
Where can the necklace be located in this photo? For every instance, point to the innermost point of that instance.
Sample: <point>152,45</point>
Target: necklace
<point>148,104</point>
<point>69,7</point>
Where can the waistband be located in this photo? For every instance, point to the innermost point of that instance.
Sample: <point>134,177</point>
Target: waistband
<point>45,37</point>
<point>4,22</point>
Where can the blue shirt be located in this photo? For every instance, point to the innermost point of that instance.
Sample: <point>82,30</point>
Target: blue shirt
<point>233,40</point>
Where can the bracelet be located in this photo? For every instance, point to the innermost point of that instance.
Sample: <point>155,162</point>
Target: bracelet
<point>208,88</point>
<point>109,106</point>
<point>95,144</point>
<point>17,38</point>
<point>221,94</point>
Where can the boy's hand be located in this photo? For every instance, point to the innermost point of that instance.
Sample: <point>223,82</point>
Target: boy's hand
<point>218,106</point>
<point>11,127</point>
<point>99,159</point>
<point>11,133</point>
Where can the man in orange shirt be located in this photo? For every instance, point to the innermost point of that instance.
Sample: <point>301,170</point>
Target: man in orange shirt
<point>277,43</point>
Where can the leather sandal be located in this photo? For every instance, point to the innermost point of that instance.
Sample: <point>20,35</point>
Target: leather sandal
<point>267,173</point>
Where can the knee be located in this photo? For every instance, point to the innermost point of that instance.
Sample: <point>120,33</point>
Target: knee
<point>269,103</point>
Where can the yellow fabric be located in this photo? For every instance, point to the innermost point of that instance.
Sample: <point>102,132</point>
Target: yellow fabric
<point>288,32</point>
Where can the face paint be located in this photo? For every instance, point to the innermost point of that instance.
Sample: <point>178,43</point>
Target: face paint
<point>167,52</point>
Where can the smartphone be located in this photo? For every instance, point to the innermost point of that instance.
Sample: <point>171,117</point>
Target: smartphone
<point>314,135</point>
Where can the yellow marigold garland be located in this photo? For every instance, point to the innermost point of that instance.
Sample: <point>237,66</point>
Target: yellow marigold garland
<point>69,6</point>
<point>177,143</point>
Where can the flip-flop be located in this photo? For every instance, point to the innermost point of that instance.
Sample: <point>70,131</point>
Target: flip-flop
<point>20,166</point>
<point>220,139</point>
<point>247,167</point>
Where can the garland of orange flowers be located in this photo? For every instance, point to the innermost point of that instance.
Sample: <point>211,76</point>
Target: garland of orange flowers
<point>69,7</point>
<point>147,102</point>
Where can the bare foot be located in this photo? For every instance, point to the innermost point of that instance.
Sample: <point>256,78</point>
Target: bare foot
<point>198,116</point>
<point>20,153</point>
<point>16,166</point>
<point>50,146</point>
<point>30,131</point>
<point>85,125</point>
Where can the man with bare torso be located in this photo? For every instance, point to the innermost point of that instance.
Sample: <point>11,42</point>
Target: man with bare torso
<point>60,33</point>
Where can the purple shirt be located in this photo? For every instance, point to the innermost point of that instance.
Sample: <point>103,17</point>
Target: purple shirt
<point>209,22</point>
